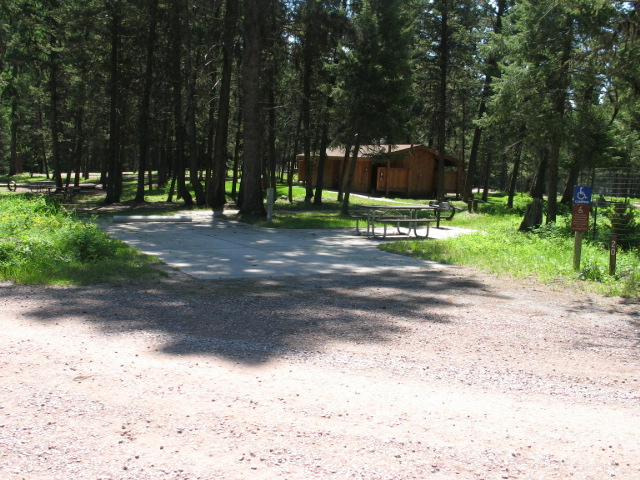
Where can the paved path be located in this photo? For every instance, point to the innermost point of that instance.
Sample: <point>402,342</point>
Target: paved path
<point>211,248</point>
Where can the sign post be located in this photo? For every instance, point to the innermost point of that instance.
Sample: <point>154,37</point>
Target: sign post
<point>577,250</point>
<point>613,249</point>
<point>580,219</point>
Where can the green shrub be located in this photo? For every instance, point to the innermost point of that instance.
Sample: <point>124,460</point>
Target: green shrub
<point>85,242</point>
<point>40,242</point>
<point>593,271</point>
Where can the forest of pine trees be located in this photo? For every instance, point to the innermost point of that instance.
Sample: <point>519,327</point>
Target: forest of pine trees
<point>532,95</point>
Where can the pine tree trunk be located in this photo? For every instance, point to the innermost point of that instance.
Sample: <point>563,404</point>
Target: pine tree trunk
<point>176,48</point>
<point>572,179</point>
<point>143,139</point>
<point>517,159</point>
<point>442,100</point>
<point>487,175</point>
<point>352,169</point>
<point>15,165</point>
<point>236,152</point>
<point>294,159</point>
<point>114,172</point>
<point>560,95</point>
<point>190,130</point>
<point>271,156</point>
<point>324,140</point>
<point>537,190</point>
<point>533,215</point>
<point>251,193</point>
<point>78,151</point>
<point>216,191</point>
<point>55,125</point>
<point>343,173</point>
<point>43,144</point>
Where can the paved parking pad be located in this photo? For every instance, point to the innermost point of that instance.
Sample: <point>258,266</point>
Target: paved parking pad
<point>219,248</point>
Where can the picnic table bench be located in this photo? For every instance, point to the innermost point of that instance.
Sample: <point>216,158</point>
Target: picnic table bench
<point>401,216</point>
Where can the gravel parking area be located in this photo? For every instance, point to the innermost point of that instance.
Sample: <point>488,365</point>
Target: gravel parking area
<point>442,373</point>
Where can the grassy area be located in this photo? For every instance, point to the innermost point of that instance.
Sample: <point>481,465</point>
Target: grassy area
<point>298,214</point>
<point>42,243</point>
<point>496,247</point>
<point>545,254</point>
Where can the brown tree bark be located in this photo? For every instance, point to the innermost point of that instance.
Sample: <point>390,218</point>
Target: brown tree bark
<point>487,175</point>
<point>15,163</point>
<point>443,62</point>
<point>216,189</point>
<point>343,173</point>
<point>176,78</point>
<point>324,140</point>
<point>352,168</point>
<point>236,151</point>
<point>55,114</point>
<point>559,86</point>
<point>78,149</point>
<point>533,215</point>
<point>251,194</point>
<point>517,159</point>
<point>143,139</point>
<point>190,128</point>
<point>114,171</point>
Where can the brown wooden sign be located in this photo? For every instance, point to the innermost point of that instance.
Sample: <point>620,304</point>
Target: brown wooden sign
<point>580,218</point>
<point>613,250</point>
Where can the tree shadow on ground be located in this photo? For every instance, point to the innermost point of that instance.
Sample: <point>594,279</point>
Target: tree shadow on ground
<point>594,312</point>
<point>253,321</point>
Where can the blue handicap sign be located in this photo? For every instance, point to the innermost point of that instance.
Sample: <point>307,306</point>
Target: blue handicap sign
<point>581,195</point>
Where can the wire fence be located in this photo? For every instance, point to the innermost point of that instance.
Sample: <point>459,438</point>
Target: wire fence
<point>616,205</point>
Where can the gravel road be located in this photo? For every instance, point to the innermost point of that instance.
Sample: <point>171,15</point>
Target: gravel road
<point>439,374</point>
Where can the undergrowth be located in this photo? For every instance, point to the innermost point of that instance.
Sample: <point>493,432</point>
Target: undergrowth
<point>43,243</point>
<point>545,254</point>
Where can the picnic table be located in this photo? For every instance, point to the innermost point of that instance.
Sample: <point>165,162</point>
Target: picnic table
<point>40,187</point>
<point>406,219</point>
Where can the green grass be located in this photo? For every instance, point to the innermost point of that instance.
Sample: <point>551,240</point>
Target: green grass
<point>545,255</point>
<point>314,219</point>
<point>42,243</point>
<point>57,248</point>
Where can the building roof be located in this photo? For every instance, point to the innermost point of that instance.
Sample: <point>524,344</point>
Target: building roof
<point>371,150</point>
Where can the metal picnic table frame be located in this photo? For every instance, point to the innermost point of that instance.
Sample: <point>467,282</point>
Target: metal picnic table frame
<point>407,215</point>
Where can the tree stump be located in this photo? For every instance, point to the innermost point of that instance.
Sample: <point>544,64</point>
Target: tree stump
<point>532,215</point>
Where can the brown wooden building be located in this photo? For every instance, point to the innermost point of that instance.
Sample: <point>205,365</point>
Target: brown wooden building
<point>409,170</point>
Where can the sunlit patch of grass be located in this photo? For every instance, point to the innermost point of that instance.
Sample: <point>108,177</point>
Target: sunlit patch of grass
<point>313,219</point>
<point>545,255</point>
<point>43,243</point>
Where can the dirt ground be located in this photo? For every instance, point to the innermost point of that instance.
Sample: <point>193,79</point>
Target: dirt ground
<point>438,374</point>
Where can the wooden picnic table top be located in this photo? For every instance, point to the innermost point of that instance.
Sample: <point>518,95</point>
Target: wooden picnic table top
<point>399,207</point>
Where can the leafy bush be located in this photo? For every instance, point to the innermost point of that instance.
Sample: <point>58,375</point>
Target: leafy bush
<point>41,242</point>
<point>85,242</point>
<point>593,271</point>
